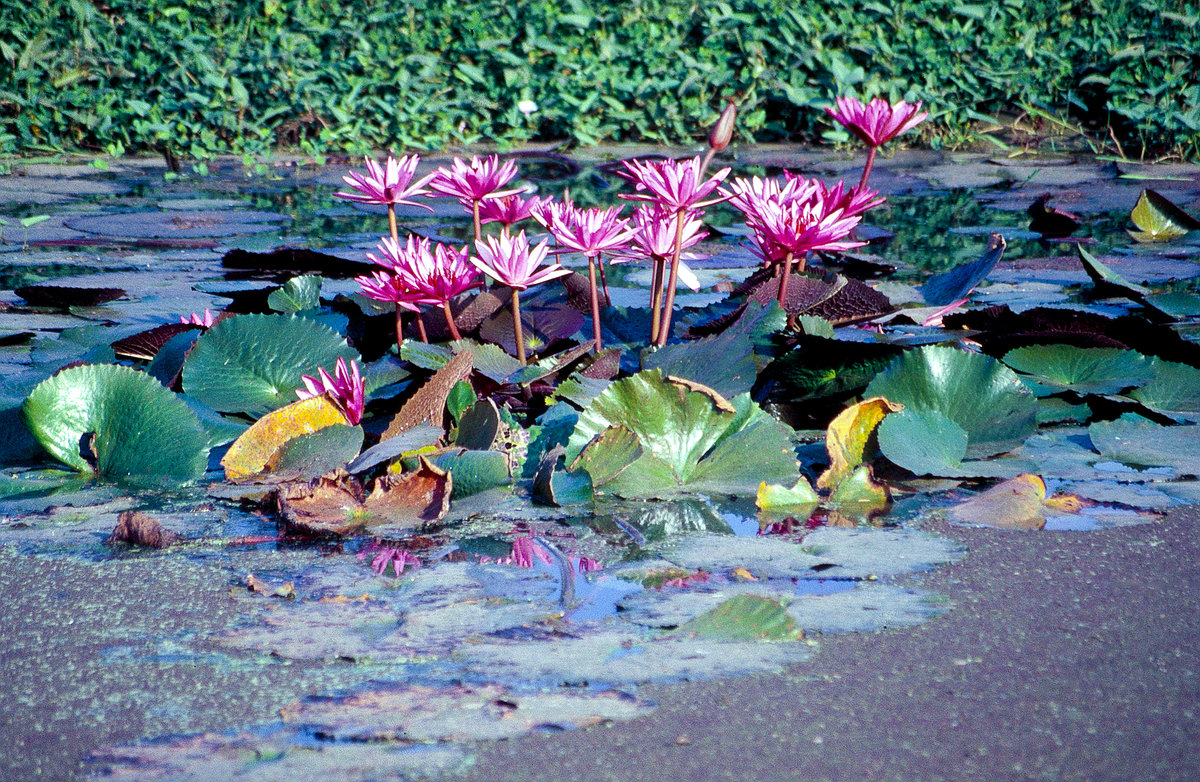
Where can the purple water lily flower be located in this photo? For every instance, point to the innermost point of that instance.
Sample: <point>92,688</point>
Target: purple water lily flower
<point>472,183</point>
<point>876,123</point>
<point>510,261</point>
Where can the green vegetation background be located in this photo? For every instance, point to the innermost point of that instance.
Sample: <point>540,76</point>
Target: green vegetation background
<point>204,77</point>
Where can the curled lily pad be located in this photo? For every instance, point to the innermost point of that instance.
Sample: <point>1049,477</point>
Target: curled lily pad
<point>253,363</point>
<point>118,423</point>
<point>1159,220</point>
<point>1018,503</point>
<point>691,438</point>
<point>958,283</point>
<point>978,393</point>
<point>252,452</point>
<point>847,435</point>
<point>296,295</point>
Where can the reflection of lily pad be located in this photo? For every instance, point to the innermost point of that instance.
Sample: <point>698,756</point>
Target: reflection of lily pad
<point>177,224</point>
<point>976,392</point>
<point>692,439</point>
<point>118,423</point>
<point>252,363</point>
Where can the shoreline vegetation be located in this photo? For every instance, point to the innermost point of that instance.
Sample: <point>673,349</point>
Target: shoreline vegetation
<point>193,80</point>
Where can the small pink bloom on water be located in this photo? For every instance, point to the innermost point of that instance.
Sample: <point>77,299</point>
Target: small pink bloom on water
<point>673,184</point>
<point>525,549</point>
<point>388,184</point>
<point>344,389</point>
<point>877,122</point>
<point>586,564</point>
<point>474,181</point>
<point>510,260</point>
<point>206,320</point>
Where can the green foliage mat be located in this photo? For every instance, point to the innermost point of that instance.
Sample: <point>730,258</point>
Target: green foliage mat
<point>244,76</point>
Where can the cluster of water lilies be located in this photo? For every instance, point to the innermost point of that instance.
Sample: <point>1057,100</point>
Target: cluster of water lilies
<point>787,221</point>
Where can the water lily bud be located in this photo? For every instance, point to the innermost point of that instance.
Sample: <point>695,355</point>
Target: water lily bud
<point>722,132</point>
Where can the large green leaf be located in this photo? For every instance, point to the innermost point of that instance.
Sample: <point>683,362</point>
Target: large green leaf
<point>976,392</point>
<point>691,439</point>
<point>926,442</point>
<point>253,363</point>
<point>118,423</point>
<point>1083,370</point>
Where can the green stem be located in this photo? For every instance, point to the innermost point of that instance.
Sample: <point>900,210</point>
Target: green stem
<point>516,312</point>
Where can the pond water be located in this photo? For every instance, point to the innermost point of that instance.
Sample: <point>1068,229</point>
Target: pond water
<point>510,617</point>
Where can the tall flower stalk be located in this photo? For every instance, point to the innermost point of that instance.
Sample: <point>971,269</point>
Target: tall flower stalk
<point>676,186</point>
<point>876,123</point>
<point>591,232</point>
<point>389,184</point>
<point>510,261</point>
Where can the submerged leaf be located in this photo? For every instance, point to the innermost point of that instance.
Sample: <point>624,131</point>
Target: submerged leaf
<point>118,423</point>
<point>1018,503</point>
<point>744,618</point>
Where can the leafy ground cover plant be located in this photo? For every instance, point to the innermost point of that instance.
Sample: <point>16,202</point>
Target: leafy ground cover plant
<point>163,76</point>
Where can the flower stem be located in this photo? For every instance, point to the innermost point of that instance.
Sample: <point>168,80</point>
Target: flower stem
<point>783,282</point>
<point>595,305</point>
<point>656,283</point>
<point>866,174</point>
<point>450,321</point>
<point>399,330</point>
<point>392,223</point>
<point>664,331</point>
<point>516,310</point>
<point>421,328</point>
<point>708,157</point>
<point>603,278</point>
<point>475,219</point>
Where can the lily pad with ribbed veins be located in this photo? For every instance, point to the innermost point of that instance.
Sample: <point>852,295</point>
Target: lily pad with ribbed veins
<point>976,392</point>
<point>119,424</point>
<point>253,363</point>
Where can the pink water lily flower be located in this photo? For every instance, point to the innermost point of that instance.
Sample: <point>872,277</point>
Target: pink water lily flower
<point>511,261</point>
<point>654,233</point>
<point>389,556</point>
<point>391,288</point>
<point>475,181</point>
<point>672,184</point>
<point>344,389</point>
<point>877,122</point>
<point>390,183</point>
<point>435,272</point>
<point>508,210</point>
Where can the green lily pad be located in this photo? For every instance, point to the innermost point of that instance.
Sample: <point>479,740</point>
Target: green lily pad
<point>1173,390</point>
<point>132,428</point>
<point>253,363</point>
<point>692,439</point>
<point>744,618</point>
<point>296,295</point>
<point>314,454</point>
<point>926,442</point>
<point>1137,441</point>
<point>978,393</point>
<point>474,471</point>
<point>1083,370</point>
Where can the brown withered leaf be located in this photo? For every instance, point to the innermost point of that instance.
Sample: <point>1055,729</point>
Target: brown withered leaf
<point>479,309</point>
<point>606,366</point>
<point>428,404</point>
<point>847,436</point>
<point>139,529</point>
<point>335,506</point>
<point>144,345</point>
<point>64,296</point>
